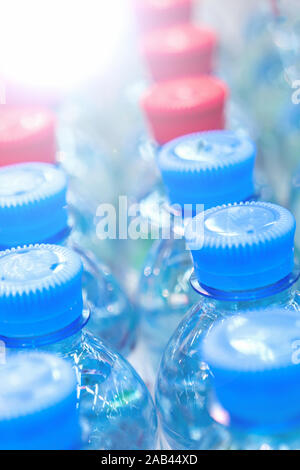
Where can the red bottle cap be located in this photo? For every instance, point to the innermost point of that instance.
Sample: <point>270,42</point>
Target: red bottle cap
<point>181,50</point>
<point>154,14</point>
<point>26,135</point>
<point>183,106</point>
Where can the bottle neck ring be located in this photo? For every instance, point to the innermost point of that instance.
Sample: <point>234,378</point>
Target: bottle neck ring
<point>51,338</point>
<point>241,295</point>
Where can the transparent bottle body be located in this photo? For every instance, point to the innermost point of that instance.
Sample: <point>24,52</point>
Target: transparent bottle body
<point>113,318</point>
<point>142,176</point>
<point>92,172</point>
<point>165,294</point>
<point>115,406</point>
<point>184,380</point>
<point>261,83</point>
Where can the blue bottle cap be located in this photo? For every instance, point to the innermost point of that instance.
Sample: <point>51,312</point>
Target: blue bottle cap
<point>209,168</point>
<point>33,205</point>
<point>255,362</point>
<point>38,403</point>
<point>242,246</point>
<point>40,290</point>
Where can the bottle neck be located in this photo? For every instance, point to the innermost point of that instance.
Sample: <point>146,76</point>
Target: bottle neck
<point>278,293</point>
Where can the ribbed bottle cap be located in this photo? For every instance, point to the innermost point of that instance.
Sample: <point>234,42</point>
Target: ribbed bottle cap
<point>38,403</point>
<point>255,363</point>
<point>178,51</point>
<point>183,106</point>
<point>33,205</point>
<point>242,246</point>
<point>40,290</point>
<point>153,14</point>
<point>209,168</point>
<point>26,135</point>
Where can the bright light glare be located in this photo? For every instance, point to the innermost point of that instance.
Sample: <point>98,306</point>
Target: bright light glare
<point>59,43</point>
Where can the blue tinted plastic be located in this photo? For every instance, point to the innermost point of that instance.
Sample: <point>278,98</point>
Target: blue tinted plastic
<point>38,404</point>
<point>114,402</point>
<point>33,209</point>
<point>242,246</point>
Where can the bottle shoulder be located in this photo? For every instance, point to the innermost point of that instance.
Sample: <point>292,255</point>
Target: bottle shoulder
<point>184,378</point>
<point>111,394</point>
<point>91,356</point>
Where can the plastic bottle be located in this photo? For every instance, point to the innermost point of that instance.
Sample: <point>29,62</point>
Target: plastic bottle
<point>42,308</point>
<point>181,50</point>
<point>199,171</point>
<point>254,367</point>
<point>38,404</point>
<point>33,209</point>
<point>243,258</point>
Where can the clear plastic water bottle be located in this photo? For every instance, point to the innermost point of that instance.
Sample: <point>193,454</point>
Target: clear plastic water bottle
<point>286,36</point>
<point>172,109</point>
<point>254,367</point>
<point>199,171</point>
<point>169,52</point>
<point>42,308</point>
<point>36,134</point>
<point>179,51</point>
<point>38,404</point>
<point>27,134</point>
<point>30,133</point>
<point>244,260</point>
<point>181,106</point>
<point>33,209</point>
